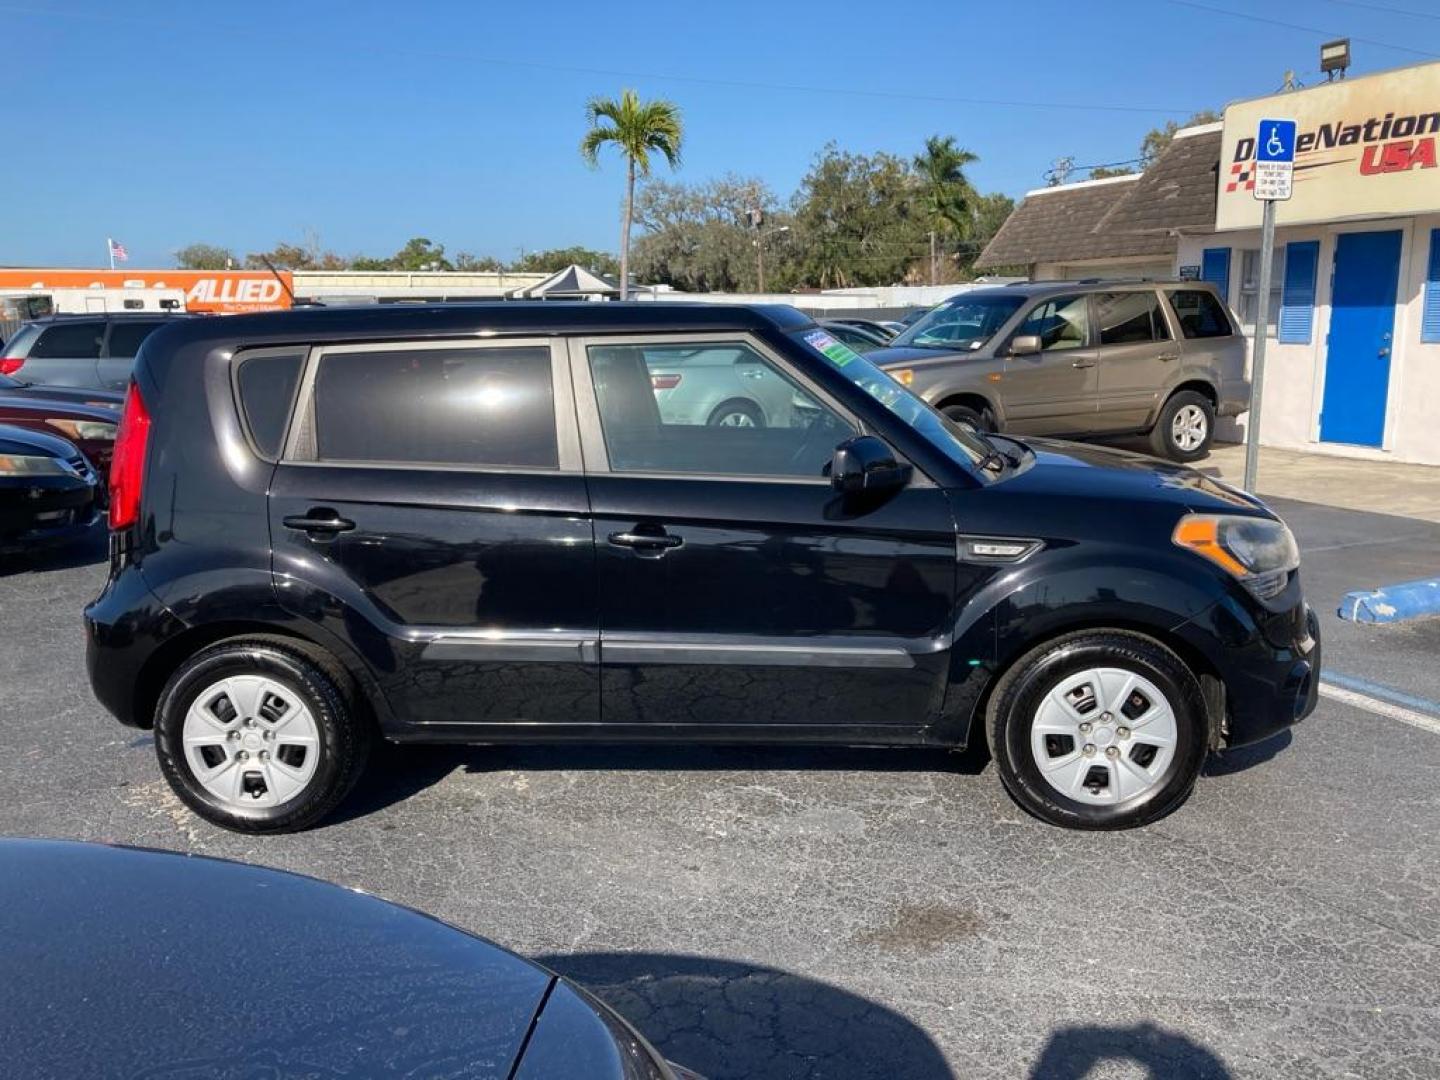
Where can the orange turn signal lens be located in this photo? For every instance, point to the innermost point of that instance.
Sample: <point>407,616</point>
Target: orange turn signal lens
<point>1202,536</point>
<point>904,376</point>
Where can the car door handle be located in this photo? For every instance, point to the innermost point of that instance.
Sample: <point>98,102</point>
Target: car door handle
<point>1082,363</point>
<point>319,520</point>
<point>642,541</point>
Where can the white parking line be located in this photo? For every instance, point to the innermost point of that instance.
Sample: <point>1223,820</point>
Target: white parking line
<point>1423,721</point>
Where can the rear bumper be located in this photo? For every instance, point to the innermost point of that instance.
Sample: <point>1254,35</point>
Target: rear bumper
<point>1268,660</point>
<point>124,627</point>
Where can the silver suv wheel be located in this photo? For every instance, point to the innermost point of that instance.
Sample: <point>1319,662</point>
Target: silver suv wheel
<point>1189,428</point>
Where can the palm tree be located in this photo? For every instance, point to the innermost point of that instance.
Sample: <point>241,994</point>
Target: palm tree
<point>944,191</point>
<point>637,128</point>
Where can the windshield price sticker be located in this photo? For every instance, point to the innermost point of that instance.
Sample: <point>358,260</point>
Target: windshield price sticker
<point>837,353</point>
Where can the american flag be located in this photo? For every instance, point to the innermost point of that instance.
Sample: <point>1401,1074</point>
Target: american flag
<point>117,251</point>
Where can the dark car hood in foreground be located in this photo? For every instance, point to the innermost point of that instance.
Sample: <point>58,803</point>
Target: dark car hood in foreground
<point>123,962</point>
<point>108,400</point>
<point>16,440</point>
<point>1068,469</point>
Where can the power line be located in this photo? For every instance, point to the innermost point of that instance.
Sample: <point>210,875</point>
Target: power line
<point>1302,29</point>
<point>535,65</point>
<point>1387,10</point>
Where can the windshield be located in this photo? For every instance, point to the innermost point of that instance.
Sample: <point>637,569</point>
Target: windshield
<point>959,443</point>
<point>966,322</point>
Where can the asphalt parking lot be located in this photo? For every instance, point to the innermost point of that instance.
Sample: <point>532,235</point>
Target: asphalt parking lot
<point>853,913</point>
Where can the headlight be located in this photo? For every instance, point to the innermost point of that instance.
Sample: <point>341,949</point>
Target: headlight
<point>83,429</point>
<point>1261,552</point>
<point>25,465</point>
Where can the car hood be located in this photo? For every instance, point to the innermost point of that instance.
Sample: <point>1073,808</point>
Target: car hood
<point>14,440</point>
<point>910,355</point>
<point>76,408</point>
<point>1067,469</point>
<point>121,962</point>
<point>101,399</point>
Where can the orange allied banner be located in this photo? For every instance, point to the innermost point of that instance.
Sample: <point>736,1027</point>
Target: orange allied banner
<point>214,291</point>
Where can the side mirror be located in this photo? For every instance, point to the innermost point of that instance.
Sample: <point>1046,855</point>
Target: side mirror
<point>1025,344</point>
<point>867,465</point>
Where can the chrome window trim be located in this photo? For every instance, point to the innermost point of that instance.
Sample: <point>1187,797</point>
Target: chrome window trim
<point>301,446</point>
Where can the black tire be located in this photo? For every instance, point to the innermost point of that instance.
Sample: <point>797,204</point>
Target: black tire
<point>736,407</point>
<point>1163,436</point>
<point>344,729</point>
<point>1016,700</point>
<point>976,419</point>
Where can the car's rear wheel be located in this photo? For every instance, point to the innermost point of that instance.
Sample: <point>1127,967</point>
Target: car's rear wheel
<point>1186,427</point>
<point>737,413</point>
<point>260,736</point>
<point>969,417</point>
<point>1100,729</point>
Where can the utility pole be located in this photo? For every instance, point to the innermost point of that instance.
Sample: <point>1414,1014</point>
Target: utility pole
<point>934,267</point>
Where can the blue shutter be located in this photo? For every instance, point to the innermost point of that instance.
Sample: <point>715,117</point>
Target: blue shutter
<point>1430,316</point>
<point>1215,268</point>
<point>1297,300</point>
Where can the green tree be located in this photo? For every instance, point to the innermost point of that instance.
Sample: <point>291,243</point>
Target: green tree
<point>699,238</point>
<point>204,257</point>
<point>419,253</point>
<point>547,262</point>
<point>478,264</point>
<point>944,192</point>
<point>637,129</point>
<point>283,256</point>
<point>857,220</point>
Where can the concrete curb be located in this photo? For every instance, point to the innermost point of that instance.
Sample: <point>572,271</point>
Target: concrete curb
<point>1393,603</point>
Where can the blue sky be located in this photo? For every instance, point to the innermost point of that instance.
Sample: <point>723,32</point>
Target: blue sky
<point>242,124</point>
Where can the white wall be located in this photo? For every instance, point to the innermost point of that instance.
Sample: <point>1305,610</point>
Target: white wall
<point>1295,374</point>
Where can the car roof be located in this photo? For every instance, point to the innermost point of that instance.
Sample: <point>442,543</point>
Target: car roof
<point>512,317</point>
<point>104,316</point>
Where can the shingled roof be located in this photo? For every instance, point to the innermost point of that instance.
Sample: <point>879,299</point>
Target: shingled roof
<point>1117,216</point>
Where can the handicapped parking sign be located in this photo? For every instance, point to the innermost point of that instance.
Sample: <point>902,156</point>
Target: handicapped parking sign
<point>1274,159</point>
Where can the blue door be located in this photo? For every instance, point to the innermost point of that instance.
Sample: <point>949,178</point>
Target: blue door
<point>1362,323</point>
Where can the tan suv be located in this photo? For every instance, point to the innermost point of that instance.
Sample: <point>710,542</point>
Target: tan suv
<point>1081,358</point>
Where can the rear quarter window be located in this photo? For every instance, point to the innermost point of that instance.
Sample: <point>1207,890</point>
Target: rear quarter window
<point>266,385</point>
<point>1199,313</point>
<point>70,340</point>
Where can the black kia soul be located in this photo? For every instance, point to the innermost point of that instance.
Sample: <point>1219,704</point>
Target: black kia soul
<point>527,522</point>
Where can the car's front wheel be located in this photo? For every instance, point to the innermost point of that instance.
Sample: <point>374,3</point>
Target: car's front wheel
<point>1100,729</point>
<point>966,416</point>
<point>260,735</point>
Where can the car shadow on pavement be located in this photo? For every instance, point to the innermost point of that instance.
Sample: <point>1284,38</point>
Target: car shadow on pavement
<point>396,772</point>
<point>1228,762</point>
<point>1073,1052</point>
<point>726,1019</point>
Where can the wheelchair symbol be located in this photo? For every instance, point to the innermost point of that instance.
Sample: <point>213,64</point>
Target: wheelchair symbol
<point>1274,146</point>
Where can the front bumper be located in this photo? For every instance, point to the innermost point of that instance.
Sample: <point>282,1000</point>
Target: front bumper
<point>45,514</point>
<point>1267,657</point>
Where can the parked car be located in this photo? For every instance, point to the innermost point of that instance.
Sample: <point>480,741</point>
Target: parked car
<point>319,980</point>
<point>92,351</point>
<point>85,417</point>
<point>1079,359</point>
<point>881,328</point>
<point>719,387</point>
<point>859,338</point>
<point>48,491</point>
<point>476,524</point>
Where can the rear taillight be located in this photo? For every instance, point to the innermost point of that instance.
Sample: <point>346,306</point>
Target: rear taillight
<point>11,364</point>
<point>664,382</point>
<point>127,465</point>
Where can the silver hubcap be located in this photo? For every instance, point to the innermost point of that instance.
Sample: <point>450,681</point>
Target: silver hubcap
<point>1189,427</point>
<point>250,741</point>
<point>735,419</point>
<point>1104,736</point>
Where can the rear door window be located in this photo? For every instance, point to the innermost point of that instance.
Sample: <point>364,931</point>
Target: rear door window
<point>1199,313</point>
<point>70,340</point>
<point>469,405</point>
<point>1130,318</point>
<point>126,336</point>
